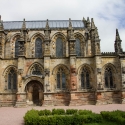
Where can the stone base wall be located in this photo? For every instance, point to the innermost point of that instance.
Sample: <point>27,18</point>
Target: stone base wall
<point>7,99</point>
<point>109,97</point>
<point>66,98</point>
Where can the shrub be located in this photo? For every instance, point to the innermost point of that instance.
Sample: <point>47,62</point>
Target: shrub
<point>44,112</point>
<point>84,112</point>
<point>71,111</point>
<point>58,112</point>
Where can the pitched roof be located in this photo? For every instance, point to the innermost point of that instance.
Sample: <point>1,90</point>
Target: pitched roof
<point>53,24</point>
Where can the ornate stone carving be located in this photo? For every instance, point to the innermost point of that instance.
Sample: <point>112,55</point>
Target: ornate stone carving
<point>46,72</point>
<point>99,70</point>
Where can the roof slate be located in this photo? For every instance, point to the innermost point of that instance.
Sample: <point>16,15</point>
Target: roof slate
<point>53,24</point>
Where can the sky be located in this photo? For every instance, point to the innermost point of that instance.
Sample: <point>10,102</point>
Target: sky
<point>108,15</point>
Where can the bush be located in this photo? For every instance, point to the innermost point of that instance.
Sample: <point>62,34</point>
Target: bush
<point>58,112</point>
<point>84,112</point>
<point>44,112</point>
<point>71,111</point>
<point>31,117</point>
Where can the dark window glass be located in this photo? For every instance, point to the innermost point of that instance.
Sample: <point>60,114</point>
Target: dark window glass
<point>12,80</point>
<point>82,80</point>
<point>59,47</point>
<point>58,80</point>
<point>78,47</point>
<point>63,80</point>
<point>36,70</point>
<point>38,48</point>
<point>87,80</point>
<point>16,48</point>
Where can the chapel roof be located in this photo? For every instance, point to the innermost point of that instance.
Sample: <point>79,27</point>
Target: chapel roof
<point>40,24</point>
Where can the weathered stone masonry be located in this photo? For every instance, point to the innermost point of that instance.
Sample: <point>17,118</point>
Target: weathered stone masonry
<point>58,62</point>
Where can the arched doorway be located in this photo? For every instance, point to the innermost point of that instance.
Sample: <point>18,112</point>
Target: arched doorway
<point>34,91</point>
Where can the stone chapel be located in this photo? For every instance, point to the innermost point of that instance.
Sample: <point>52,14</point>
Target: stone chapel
<point>58,62</point>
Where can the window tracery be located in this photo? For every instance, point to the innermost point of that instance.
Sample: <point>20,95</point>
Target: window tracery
<point>36,70</point>
<point>108,78</point>
<point>12,79</point>
<point>61,79</point>
<point>85,78</point>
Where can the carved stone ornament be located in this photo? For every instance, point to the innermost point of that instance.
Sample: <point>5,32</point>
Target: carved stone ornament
<point>99,70</point>
<point>46,72</point>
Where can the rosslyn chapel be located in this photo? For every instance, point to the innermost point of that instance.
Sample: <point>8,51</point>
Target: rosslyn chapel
<point>58,62</point>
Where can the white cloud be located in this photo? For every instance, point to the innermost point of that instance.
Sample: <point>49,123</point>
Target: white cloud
<point>108,15</point>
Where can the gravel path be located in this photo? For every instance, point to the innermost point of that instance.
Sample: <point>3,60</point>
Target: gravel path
<point>14,116</point>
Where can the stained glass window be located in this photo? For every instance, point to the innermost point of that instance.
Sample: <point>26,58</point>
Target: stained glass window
<point>36,70</point>
<point>108,78</point>
<point>85,82</point>
<point>78,47</point>
<point>38,48</point>
<point>16,48</point>
<point>59,47</point>
<point>61,79</point>
<point>12,79</point>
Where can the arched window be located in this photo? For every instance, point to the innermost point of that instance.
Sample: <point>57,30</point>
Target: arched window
<point>12,79</point>
<point>61,79</point>
<point>38,48</point>
<point>16,48</point>
<point>108,78</point>
<point>36,70</point>
<point>59,47</point>
<point>78,47</point>
<point>85,79</point>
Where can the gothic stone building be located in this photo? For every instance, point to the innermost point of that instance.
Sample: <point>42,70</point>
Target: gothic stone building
<point>58,62</point>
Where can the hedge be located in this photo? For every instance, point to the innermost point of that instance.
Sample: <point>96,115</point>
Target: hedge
<point>59,117</point>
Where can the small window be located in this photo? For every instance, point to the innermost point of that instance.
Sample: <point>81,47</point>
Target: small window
<point>85,82</point>
<point>38,48</point>
<point>78,47</point>
<point>61,79</point>
<point>108,78</point>
<point>16,48</point>
<point>12,79</point>
<point>59,47</point>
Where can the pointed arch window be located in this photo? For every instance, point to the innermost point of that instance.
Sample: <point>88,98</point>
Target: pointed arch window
<point>59,47</point>
<point>108,78</point>
<point>36,70</point>
<point>12,79</point>
<point>38,48</point>
<point>16,48</point>
<point>61,79</point>
<point>85,79</point>
<point>78,47</point>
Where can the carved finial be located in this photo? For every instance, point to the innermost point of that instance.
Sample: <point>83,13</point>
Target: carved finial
<point>24,24</point>
<point>47,24</point>
<point>70,23</point>
<point>92,24</point>
<point>117,35</point>
<point>88,23</point>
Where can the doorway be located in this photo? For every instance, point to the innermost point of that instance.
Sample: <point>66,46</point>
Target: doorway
<point>34,91</point>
